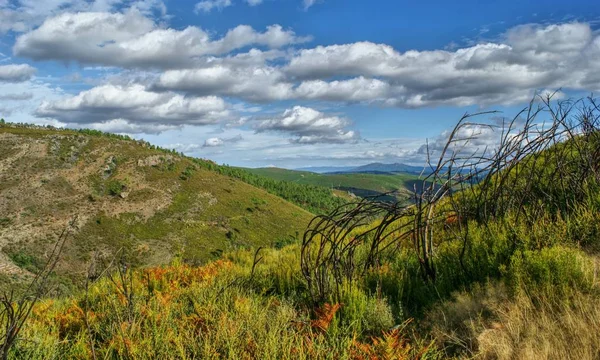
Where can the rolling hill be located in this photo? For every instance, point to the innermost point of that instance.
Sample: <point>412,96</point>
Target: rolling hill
<point>387,168</point>
<point>360,184</point>
<point>125,194</point>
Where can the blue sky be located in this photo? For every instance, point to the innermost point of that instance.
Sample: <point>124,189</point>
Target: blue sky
<point>290,83</point>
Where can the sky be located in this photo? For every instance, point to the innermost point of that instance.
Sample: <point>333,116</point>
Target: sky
<point>290,83</point>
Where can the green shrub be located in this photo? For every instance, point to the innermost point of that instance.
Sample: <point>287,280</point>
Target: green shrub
<point>26,261</point>
<point>187,173</point>
<point>554,271</point>
<point>115,187</point>
<point>366,314</point>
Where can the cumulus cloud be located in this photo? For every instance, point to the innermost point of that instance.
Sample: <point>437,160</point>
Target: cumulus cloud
<point>213,142</point>
<point>309,126</point>
<point>531,57</point>
<point>357,89</point>
<point>23,15</point>
<point>255,83</point>
<point>134,109</point>
<point>133,40</point>
<point>528,58</point>
<point>22,98</point>
<point>208,5</point>
<point>470,139</point>
<point>217,141</point>
<point>14,73</point>
<point>124,126</point>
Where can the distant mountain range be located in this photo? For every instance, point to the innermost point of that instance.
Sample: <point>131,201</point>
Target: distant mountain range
<point>369,168</point>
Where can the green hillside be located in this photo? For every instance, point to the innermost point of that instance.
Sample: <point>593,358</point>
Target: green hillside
<point>360,184</point>
<point>126,195</point>
<point>312,197</point>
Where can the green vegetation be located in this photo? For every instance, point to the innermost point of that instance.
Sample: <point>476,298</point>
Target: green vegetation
<point>115,187</point>
<point>26,261</point>
<point>358,184</point>
<point>313,197</point>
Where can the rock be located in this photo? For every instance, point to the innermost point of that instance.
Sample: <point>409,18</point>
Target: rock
<point>154,160</point>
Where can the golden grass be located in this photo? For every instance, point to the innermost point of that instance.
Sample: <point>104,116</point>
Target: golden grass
<point>486,323</point>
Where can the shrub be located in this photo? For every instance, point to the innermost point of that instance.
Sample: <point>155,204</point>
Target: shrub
<point>115,187</point>
<point>554,271</point>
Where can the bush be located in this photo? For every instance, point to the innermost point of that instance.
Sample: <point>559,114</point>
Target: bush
<point>115,187</point>
<point>558,270</point>
<point>26,261</point>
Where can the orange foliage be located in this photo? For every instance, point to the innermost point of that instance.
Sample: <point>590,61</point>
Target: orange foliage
<point>70,321</point>
<point>390,346</point>
<point>171,278</point>
<point>452,219</point>
<point>325,316</point>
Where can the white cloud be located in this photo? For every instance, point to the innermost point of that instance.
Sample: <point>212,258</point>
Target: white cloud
<point>219,141</point>
<point>254,2</point>
<point>310,126</point>
<point>23,15</point>
<point>532,57</point>
<point>132,40</point>
<point>208,5</point>
<point>16,73</point>
<point>135,109</point>
<point>22,99</point>
<point>124,126</point>
<point>213,142</point>
<point>468,140</point>
<point>357,89</point>
<point>256,83</point>
<point>308,3</point>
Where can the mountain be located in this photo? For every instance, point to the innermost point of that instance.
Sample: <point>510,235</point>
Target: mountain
<point>388,168</point>
<point>368,168</point>
<point>326,169</point>
<point>125,194</point>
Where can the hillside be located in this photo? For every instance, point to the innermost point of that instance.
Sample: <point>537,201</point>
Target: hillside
<point>125,194</point>
<point>360,184</point>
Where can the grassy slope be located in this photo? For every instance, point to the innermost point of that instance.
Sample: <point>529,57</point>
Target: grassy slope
<point>359,184</point>
<point>168,205</point>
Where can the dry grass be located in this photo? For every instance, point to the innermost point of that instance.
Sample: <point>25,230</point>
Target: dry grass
<point>488,324</point>
<point>569,330</point>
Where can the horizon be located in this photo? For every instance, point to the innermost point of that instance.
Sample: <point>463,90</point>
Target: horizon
<point>290,83</point>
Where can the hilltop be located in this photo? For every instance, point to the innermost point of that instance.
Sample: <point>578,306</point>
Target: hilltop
<point>127,194</point>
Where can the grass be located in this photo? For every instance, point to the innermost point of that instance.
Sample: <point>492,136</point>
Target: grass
<point>488,323</point>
